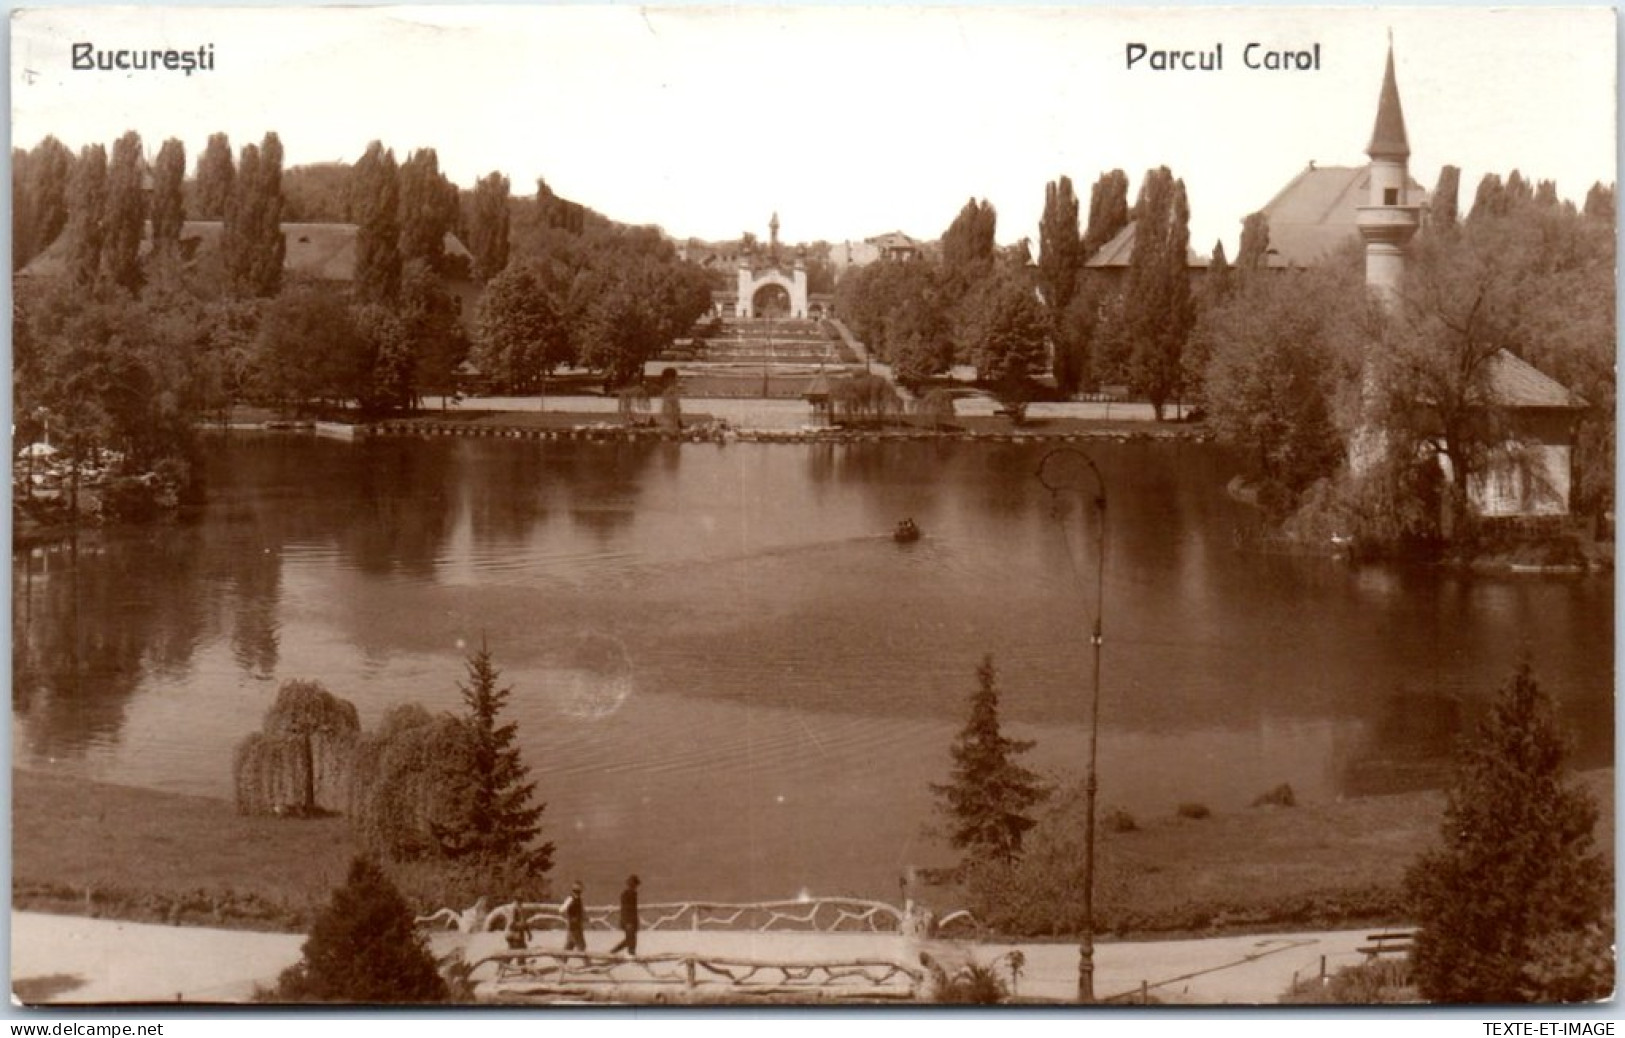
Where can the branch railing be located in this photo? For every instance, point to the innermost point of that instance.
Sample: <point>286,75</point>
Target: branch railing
<point>817,915</point>
<point>702,975</point>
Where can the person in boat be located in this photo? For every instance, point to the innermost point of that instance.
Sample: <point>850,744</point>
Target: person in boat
<point>907,531</point>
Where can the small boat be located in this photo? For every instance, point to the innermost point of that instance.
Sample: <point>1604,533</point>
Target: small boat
<point>906,532</point>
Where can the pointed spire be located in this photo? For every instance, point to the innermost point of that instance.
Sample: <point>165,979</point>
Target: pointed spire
<point>1388,140</point>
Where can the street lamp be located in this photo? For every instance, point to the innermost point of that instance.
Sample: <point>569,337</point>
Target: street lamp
<point>1059,470</point>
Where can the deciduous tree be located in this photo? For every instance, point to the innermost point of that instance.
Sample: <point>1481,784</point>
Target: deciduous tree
<point>87,206</point>
<point>489,226</point>
<point>374,205</point>
<point>1157,305</point>
<point>216,174</point>
<point>519,337</point>
<point>1060,261</point>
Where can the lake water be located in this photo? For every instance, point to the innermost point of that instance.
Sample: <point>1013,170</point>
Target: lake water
<point>727,676</point>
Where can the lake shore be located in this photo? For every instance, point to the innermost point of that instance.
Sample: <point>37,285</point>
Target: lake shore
<point>83,847</point>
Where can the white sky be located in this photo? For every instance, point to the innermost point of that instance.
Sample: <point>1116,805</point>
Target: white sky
<point>848,121</point>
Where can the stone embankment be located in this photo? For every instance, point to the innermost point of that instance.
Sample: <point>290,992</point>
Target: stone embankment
<point>721,433</point>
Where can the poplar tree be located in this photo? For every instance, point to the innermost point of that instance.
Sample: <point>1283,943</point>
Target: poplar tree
<point>497,823</point>
<point>1514,906</point>
<point>168,204</point>
<point>1108,211</point>
<point>427,210</point>
<point>1253,254</point>
<point>1060,260</point>
<point>41,177</point>
<point>1157,306</point>
<point>87,199</point>
<point>489,226</point>
<point>252,237</point>
<point>988,800</point>
<point>1443,209</point>
<point>215,176</point>
<point>124,217</point>
<point>375,209</point>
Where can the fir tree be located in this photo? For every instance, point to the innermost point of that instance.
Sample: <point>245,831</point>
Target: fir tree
<point>1517,875</point>
<point>497,822</point>
<point>988,800</point>
<point>363,949</point>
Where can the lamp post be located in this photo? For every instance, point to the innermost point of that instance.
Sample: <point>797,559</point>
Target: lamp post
<point>1057,475</point>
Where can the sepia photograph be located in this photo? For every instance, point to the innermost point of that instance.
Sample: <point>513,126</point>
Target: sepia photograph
<point>893,506</point>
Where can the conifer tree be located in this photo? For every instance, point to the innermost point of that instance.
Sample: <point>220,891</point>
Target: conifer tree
<point>498,822</point>
<point>215,176</point>
<point>363,949</point>
<point>1517,875</point>
<point>989,797</point>
<point>374,203</point>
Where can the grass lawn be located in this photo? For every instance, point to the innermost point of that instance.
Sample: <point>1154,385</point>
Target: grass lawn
<point>149,855</point>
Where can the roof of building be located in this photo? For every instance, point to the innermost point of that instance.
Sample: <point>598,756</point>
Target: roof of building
<point>1388,139</point>
<point>1117,252</point>
<point>1315,213</point>
<point>893,240</point>
<point>324,251</point>
<point>1514,382</point>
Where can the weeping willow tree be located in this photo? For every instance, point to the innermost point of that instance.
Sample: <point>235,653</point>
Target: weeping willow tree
<point>299,762</point>
<point>407,781</point>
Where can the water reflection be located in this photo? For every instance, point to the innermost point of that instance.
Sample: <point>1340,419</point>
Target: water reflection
<point>692,629</point>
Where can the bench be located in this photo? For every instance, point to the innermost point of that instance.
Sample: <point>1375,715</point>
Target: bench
<point>1395,942</point>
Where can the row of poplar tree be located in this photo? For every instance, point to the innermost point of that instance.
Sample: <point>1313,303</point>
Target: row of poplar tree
<point>130,326</point>
<point>1017,321</point>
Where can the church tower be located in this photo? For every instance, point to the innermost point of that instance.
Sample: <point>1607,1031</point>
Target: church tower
<point>1388,220</point>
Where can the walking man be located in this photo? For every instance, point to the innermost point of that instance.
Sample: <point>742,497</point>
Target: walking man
<point>575,920</point>
<point>629,918</point>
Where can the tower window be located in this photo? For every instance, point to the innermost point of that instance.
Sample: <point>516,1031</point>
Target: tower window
<point>1390,196</point>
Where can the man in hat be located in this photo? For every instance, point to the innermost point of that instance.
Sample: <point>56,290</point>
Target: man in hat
<point>629,918</point>
<point>575,920</point>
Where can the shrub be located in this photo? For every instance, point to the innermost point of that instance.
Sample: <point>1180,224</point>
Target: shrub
<point>363,949</point>
<point>1280,796</point>
<point>1120,821</point>
<point>1194,811</point>
<point>1375,982</point>
<point>974,983</point>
